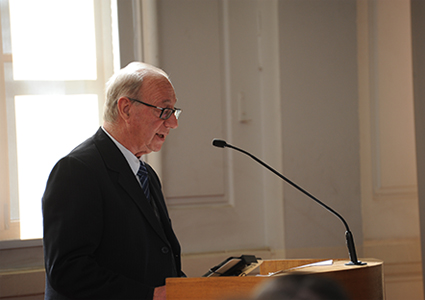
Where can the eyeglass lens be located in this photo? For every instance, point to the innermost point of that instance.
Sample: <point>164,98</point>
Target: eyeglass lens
<point>167,112</point>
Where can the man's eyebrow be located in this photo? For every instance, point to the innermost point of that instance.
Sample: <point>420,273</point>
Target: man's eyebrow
<point>167,102</point>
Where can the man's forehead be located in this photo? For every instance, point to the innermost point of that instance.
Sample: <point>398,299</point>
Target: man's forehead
<point>168,102</point>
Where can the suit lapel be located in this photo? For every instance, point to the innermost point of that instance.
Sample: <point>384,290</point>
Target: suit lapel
<point>116,162</point>
<point>132,187</point>
<point>160,203</point>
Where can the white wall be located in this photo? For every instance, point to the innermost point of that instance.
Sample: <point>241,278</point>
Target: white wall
<point>290,66</point>
<point>222,61</point>
<point>343,131</point>
<point>318,62</point>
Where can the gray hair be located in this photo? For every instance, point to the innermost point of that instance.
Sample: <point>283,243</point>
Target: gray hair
<point>126,83</point>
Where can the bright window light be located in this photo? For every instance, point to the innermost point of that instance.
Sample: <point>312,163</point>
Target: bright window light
<point>62,32</point>
<point>48,128</point>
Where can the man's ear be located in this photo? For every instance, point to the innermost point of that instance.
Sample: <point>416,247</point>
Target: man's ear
<point>124,105</point>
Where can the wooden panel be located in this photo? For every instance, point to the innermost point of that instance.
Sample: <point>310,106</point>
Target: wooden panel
<point>369,277</point>
<point>211,288</point>
<point>270,266</point>
<point>361,282</point>
<point>22,283</point>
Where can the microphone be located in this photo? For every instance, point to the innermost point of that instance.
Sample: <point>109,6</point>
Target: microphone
<point>348,235</point>
<point>219,143</point>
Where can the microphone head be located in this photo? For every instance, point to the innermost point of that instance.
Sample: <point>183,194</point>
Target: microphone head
<point>219,143</point>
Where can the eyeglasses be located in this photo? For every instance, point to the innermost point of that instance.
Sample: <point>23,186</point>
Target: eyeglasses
<point>165,112</point>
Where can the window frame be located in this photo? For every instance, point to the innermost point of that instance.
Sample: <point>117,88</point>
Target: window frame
<point>105,64</point>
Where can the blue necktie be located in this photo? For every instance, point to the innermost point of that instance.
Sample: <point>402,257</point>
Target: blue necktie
<point>144,180</point>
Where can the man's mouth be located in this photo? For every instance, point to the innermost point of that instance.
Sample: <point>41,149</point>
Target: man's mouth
<point>160,135</point>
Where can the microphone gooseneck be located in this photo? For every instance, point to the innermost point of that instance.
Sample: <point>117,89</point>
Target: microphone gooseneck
<point>348,235</point>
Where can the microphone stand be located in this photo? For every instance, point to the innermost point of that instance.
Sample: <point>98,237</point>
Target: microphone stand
<point>348,235</point>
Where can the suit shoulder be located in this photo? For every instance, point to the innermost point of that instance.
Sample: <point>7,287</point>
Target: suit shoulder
<point>85,152</point>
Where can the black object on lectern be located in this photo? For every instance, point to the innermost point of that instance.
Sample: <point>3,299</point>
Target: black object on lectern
<point>234,266</point>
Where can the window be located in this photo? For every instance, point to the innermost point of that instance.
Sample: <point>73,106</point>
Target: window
<point>56,57</point>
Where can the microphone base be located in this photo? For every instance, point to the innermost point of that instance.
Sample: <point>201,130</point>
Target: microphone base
<point>359,263</point>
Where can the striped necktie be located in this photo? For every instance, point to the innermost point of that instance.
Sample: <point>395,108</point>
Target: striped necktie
<point>144,180</point>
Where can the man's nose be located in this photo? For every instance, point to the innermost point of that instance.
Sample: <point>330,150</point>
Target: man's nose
<point>171,122</point>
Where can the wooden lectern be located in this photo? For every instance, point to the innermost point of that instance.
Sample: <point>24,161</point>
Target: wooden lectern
<point>362,282</point>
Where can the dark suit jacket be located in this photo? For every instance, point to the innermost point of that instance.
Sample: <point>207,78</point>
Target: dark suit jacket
<point>101,237</point>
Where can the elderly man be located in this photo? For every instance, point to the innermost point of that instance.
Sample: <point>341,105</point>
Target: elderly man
<point>107,233</point>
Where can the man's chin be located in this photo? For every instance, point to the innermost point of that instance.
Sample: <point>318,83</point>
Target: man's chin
<point>155,147</point>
